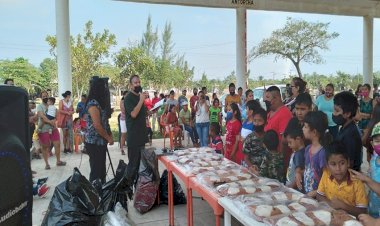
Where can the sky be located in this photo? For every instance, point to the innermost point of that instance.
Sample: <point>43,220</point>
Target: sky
<point>206,36</point>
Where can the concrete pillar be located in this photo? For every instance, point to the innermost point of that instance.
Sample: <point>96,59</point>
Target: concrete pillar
<point>368,50</point>
<point>241,48</point>
<point>63,46</point>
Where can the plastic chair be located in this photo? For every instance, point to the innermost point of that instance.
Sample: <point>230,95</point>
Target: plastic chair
<point>168,131</point>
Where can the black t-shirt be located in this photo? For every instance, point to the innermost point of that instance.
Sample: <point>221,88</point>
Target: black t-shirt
<point>136,127</point>
<point>349,136</point>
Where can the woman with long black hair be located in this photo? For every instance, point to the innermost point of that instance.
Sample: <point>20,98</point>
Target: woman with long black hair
<point>98,133</point>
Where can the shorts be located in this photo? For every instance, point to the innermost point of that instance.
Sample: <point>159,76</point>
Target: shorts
<point>123,126</point>
<point>46,138</point>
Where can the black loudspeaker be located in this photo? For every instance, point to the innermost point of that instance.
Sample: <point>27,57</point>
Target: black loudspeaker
<point>16,197</point>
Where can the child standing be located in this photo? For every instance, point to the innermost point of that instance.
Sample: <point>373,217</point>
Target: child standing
<point>294,136</point>
<point>215,116</point>
<point>272,165</point>
<point>345,108</point>
<point>233,128</point>
<point>253,147</point>
<point>337,187</point>
<point>77,134</point>
<point>216,140</point>
<point>315,130</point>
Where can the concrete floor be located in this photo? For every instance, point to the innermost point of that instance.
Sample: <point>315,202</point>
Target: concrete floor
<point>158,216</point>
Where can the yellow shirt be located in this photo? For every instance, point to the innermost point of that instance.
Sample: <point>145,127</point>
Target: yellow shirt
<point>232,99</point>
<point>352,191</point>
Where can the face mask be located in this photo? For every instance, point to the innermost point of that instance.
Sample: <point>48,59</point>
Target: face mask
<point>138,89</point>
<point>232,93</point>
<point>365,94</point>
<point>259,129</point>
<point>376,148</point>
<point>45,100</point>
<point>339,120</point>
<point>268,104</point>
<point>229,115</point>
<point>328,94</point>
<point>34,111</point>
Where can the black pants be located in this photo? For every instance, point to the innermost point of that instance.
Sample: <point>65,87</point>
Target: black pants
<point>150,132</point>
<point>97,161</point>
<point>134,156</point>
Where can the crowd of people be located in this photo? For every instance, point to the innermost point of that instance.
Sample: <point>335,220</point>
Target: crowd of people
<point>311,145</point>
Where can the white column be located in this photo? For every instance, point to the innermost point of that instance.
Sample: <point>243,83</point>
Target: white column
<point>241,48</point>
<point>63,46</point>
<point>368,50</point>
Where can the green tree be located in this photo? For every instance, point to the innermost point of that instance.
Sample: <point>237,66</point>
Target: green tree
<point>149,40</point>
<point>88,52</point>
<point>299,41</point>
<point>23,73</point>
<point>167,44</point>
<point>133,60</point>
<point>49,74</point>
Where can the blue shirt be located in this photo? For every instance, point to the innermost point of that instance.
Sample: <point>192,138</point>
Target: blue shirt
<point>327,107</point>
<point>81,107</point>
<point>314,165</point>
<point>92,136</point>
<point>296,160</point>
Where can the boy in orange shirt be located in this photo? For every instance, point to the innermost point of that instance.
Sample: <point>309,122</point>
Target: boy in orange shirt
<point>338,187</point>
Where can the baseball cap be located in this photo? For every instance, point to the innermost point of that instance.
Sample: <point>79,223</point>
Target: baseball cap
<point>184,103</point>
<point>376,130</point>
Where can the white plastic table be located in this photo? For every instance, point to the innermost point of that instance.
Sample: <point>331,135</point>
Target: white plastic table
<point>231,209</point>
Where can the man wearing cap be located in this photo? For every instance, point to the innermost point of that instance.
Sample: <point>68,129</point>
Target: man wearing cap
<point>186,122</point>
<point>182,99</point>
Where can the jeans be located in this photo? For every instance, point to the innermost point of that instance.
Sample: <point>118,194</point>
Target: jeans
<point>191,131</point>
<point>202,129</point>
<point>97,159</point>
<point>134,156</point>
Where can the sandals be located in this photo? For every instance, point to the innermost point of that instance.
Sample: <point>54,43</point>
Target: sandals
<point>61,163</point>
<point>47,167</point>
<point>122,152</point>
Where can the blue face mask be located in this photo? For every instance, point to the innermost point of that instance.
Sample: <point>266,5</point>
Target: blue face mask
<point>229,115</point>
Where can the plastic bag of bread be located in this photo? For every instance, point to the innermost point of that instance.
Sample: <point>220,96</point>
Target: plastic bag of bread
<point>223,165</point>
<point>250,186</point>
<point>320,217</point>
<point>263,211</point>
<point>215,178</point>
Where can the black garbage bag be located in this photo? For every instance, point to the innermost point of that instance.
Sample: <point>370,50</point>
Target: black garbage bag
<point>148,181</point>
<point>74,202</point>
<point>178,195</point>
<point>116,190</point>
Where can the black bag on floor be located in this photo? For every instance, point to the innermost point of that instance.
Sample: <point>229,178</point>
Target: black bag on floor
<point>178,195</point>
<point>74,202</point>
<point>116,190</point>
<point>148,182</point>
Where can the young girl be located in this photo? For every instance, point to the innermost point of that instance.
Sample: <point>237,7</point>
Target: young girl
<point>216,141</point>
<point>233,128</point>
<point>315,130</point>
<point>77,134</point>
<point>366,138</point>
<point>215,112</point>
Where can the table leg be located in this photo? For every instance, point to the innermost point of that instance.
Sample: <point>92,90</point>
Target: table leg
<point>217,220</point>
<point>170,198</point>
<point>189,207</point>
<point>227,218</point>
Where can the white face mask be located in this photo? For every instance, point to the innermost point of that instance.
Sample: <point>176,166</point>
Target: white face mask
<point>34,110</point>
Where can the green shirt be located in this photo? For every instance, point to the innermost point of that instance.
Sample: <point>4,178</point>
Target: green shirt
<point>45,128</point>
<point>136,127</point>
<point>214,114</point>
<point>186,115</point>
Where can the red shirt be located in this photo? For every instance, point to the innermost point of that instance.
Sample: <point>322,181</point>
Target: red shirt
<point>148,103</point>
<point>193,99</point>
<point>155,100</point>
<point>279,121</point>
<point>233,128</point>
